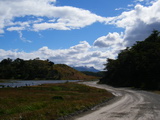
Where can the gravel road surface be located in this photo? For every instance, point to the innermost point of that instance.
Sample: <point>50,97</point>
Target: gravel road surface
<point>127,105</point>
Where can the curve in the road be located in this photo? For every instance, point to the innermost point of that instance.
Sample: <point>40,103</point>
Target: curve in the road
<point>127,105</point>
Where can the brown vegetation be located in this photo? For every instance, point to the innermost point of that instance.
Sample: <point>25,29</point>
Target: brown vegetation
<point>67,73</point>
<point>37,69</point>
<point>48,101</point>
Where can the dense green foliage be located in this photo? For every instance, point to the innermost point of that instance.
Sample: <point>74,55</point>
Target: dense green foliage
<point>138,66</point>
<point>38,69</point>
<point>31,69</point>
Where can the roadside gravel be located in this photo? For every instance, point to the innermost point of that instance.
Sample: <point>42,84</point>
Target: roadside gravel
<point>127,105</point>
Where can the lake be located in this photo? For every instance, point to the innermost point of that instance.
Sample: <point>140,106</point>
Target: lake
<point>20,83</point>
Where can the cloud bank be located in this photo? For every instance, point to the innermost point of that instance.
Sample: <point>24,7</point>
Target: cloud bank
<point>137,23</point>
<point>38,15</point>
<point>43,15</point>
<point>76,55</point>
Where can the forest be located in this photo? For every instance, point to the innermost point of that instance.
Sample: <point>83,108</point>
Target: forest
<point>37,69</point>
<point>137,66</point>
<point>26,69</point>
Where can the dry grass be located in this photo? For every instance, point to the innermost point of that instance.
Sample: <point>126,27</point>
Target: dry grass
<point>47,102</point>
<point>68,73</point>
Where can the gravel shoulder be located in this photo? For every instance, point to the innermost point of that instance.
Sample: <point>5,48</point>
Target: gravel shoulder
<point>127,105</point>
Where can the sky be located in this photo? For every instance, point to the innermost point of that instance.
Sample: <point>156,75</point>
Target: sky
<point>74,32</point>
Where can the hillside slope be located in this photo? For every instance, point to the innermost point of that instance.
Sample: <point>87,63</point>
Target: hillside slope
<point>85,68</point>
<point>65,72</point>
<point>37,69</point>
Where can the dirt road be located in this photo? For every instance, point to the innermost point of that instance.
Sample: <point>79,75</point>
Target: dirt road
<point>127,105</point>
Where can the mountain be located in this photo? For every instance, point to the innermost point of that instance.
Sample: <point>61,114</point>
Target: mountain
<point>85,68</point>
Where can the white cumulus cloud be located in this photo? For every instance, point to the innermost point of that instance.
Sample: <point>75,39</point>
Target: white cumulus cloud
<point>109,40</point>
<point>59,17</point>
<point>139,22</point>
<point>78,55</point>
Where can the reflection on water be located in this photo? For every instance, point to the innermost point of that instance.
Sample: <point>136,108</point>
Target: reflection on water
<point>20,83</point>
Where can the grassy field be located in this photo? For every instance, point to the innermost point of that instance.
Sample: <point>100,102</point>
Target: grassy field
<point>48,101</point>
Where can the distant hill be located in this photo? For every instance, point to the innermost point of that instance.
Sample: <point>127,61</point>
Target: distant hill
<point>37,69</point>
<point>85,68</point>
<point>65,72</point>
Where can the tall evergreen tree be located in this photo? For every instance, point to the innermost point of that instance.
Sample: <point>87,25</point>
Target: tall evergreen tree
<point>138,66</point>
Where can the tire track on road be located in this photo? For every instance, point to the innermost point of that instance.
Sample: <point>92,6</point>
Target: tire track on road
<point>127,105</point>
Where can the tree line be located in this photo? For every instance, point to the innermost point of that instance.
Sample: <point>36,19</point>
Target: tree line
<point>137,66</point>
<point>27,69</point>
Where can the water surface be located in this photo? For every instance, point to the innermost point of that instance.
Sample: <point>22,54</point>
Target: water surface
<point>20,83</point>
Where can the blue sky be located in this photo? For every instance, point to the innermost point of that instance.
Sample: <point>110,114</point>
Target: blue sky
<point>74,32</point>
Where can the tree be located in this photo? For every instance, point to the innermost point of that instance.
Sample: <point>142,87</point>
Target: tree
<point>29,69</point>
<point>138,66</point>
<point>5,71</point>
